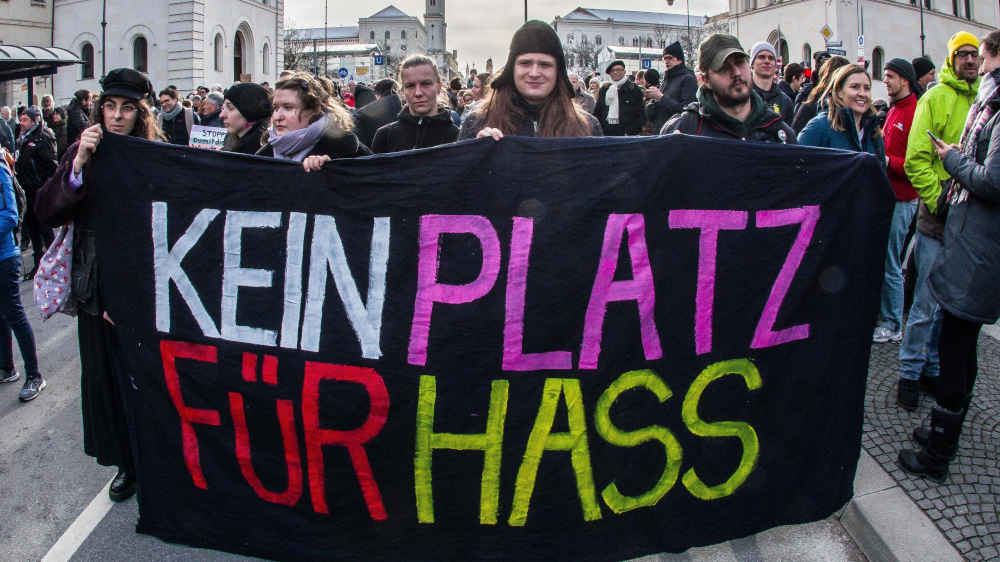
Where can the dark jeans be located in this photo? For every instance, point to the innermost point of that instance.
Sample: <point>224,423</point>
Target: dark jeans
<point>12,319</point>
<point>41,237</point>
<point>959,363</point>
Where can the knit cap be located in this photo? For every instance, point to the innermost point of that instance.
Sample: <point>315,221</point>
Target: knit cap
<point>251,99</point>
<point>674,49</point>
<point>534,37</point>
<point>905,69</point>
<point>759,47</point>
<point>960,39</point>
<point>922,65</point>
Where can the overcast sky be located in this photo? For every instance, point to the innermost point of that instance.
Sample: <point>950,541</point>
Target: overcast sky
<point>479,28</point>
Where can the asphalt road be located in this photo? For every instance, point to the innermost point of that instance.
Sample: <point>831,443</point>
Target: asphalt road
<point>53,499</point>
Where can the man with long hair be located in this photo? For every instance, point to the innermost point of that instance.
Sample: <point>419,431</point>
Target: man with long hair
<point>533,95</point>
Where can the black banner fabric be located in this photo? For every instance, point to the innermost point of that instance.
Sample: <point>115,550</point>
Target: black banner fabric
<point>533,349</point>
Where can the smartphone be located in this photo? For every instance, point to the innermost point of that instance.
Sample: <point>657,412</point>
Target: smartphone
<point>930,134</point>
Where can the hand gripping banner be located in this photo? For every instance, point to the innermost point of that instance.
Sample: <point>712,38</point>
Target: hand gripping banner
<point>575,349</point>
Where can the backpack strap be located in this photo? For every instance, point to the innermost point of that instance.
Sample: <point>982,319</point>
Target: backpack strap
<point>188,118</point>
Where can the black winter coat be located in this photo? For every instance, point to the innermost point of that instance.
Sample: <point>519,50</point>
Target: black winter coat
<point>528,128</point>
<point>249,143</point>
<point>679,87</point>
<point>36,159</point>
<point>76,121</point>
<point>373,116</point>
<point>334,143</point>
<point>964,276</point>
<point>409,132</point>
<point>175,130</point>
<point>777,101</point>
<point>631,113</point>
<point>694,120</point>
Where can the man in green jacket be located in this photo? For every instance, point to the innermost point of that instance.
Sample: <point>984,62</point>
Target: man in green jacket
<point>942,111</point>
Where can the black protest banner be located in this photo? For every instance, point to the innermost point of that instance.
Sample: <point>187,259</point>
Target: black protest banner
<point>531,349</point>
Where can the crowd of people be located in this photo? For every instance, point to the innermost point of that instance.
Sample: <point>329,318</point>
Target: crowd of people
<point>935,141</point>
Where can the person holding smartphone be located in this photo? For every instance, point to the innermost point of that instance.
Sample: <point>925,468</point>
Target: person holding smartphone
<point>963,278</point>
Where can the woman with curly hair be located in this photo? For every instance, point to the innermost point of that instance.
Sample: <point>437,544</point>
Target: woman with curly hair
<point>308,125</point>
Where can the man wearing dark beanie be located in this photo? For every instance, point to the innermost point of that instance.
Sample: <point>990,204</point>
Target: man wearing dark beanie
<point>924,69</point>
<point>678,88</point>
<point>245,114</point>
<point>533,95</point>
<point>901,85</point>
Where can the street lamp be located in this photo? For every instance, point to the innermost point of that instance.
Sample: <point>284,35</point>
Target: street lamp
<point>922,36</point>
<point>688,3</point>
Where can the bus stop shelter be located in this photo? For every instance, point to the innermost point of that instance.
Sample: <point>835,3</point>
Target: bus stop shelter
<point>17,62</point>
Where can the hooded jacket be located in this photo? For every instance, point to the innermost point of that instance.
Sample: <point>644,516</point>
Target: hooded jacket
<point>964,276</point>
<point>679,88</point>
<point>942,111</point>
<point>706,119</point>
<point>409,132</point>
<point>896,133</point>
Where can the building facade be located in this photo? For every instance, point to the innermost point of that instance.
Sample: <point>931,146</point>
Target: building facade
<point>184,43</point>
<point>587,33</point>
<point>26,23</point>
<point>389,33</point>
<point>870,30</point>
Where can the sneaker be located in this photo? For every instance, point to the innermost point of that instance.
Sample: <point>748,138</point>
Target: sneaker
<point>9,375</point>
<point>32,387</point>
<point>883,334</point>
<point>908,396</point>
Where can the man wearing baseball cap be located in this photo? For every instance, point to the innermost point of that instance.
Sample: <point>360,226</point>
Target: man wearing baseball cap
<point>727,106</point>
<point>942,111</point>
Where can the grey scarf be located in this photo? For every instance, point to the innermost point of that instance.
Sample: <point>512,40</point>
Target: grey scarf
<point>169,115</point>
<point>296,145</point>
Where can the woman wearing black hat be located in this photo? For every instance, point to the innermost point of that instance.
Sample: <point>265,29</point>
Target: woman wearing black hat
<point>533,96</point>
<point>245,113</point>
<point>308,125</point>
<point>123,109</point>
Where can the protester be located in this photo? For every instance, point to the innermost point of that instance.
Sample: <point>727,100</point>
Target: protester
<point>764,65</point>
<point>963,278</point>
<point>924,68</point>
<point>364,96</point>
<point>480,90</point>
<point>901,84</point>
<point>619,105</point>
<point>245,113</point>
<point>849,124</point>
<point>533,95</point>
<point>202,91</point>
<point>385,110</point>
<point>123,109</point>
<point>423,122</point>
<point>7,117</point>
<point>55,119</point>
<point>6,136</point>
<point>679,87</point>
<point>77,115</point>
<point>454,87</point>
<point>727,106</point>
<point>211,108</point>
<point>581,96</point>
<point>817,102</point>
<point>819,58</point>
<point>308,125</point>
<point>594,86</point>
<point>36,161</point>
<point>12,317</point>
<point>174,120</point>
<point>794,75</point>
<point>942,111</point>
<point>652,77</point>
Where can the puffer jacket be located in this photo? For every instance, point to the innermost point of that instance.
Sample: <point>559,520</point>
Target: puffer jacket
<point>409,132</point>
<point>942,111</point>
<point>964,275</point>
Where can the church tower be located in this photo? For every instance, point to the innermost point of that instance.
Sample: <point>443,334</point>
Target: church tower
<point>435,26</point>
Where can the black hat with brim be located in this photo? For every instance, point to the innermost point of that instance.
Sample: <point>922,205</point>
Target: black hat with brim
<point>127,83</point>
<point>613,64</point>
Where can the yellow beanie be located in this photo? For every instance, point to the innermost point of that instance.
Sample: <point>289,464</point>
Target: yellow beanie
<point>959,39</point>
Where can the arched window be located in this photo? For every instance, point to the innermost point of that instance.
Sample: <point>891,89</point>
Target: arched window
<point>569,39</point>
<point>140,54</point>
<point>265,54</point>
<point>598,40</point>
<point>371,35</point>
<point>807,54</point>
<point>387,34</point>
<point>402,34</point>
<point>583,39</point>
<point>87,56</point>
<point>621,41</point>
<point>649,41</point>
<point>238,43</point>
<point>217,48</point>
<point>635,41</point>
<point>878,61</point>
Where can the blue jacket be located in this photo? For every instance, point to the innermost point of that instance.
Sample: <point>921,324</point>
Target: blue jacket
<point>819,132</point>
<point>8,216</point>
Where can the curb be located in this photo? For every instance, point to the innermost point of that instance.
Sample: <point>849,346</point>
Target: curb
<point>886,524</point>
